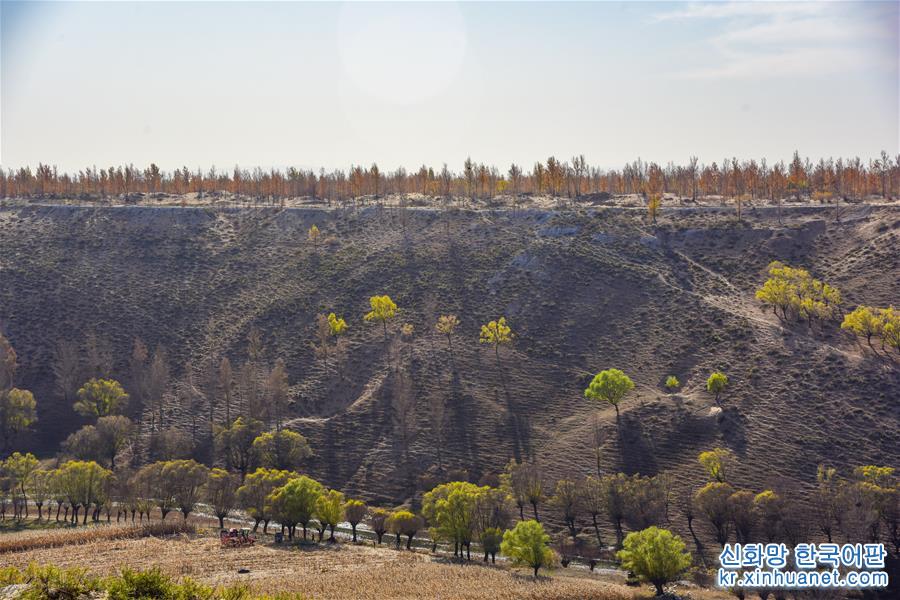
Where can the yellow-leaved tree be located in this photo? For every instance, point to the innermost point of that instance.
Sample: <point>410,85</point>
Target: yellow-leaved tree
<point>798,295</point>
<point>716,384</point>
<point>337,325</point>
<point>717,463</point>
<point>862,321</point>
<point>383,310</point>
<point>329,328</point>
<point>653,204</point>
<point>446,325</point>
<point>496,333</point>
<point>890,328</point>
<point>313,235</point>
<point>100,398</point>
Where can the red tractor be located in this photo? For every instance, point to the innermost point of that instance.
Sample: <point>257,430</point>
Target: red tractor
<point>232,538</point>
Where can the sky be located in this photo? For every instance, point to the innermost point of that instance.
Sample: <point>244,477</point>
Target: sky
<point>403,84</point>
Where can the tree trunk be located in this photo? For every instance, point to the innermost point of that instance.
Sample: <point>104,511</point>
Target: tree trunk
<point>572,531</point>
<point>597,531</point>
<point>697,543</point>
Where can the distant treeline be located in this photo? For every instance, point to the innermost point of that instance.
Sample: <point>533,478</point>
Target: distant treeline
<point>847,178</point>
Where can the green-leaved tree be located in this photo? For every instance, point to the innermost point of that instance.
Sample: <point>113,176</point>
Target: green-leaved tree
<point>100,398</point>
<point>527,544</point>
<point>609,386</point>
<point>655,556</point>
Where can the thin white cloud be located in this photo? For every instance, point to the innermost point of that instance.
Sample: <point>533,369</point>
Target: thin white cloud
<point>726,10</point>
<point>820,30</point>
<point>779,39</point>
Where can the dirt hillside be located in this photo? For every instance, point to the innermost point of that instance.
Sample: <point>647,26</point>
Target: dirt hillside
<point>583,290</point>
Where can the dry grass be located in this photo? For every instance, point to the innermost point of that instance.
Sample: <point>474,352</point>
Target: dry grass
<point>341,571</point>
<point>26,541</point>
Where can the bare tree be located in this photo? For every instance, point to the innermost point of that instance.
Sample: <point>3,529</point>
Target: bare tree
<point>403,404</point>
<point>192,399</point>
<point>67,369</point>
<point>157,382</point>
<point>692,169</point>
<point>278,393</point>
<point>579,168</point>
<point>226,385</point>
<point>437,417</point>
<point>98,356</point>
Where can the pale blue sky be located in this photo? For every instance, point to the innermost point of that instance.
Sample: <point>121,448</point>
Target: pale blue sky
<point>331,84</point>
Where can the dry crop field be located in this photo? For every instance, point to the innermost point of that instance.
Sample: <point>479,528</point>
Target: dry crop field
<point>341,570</point>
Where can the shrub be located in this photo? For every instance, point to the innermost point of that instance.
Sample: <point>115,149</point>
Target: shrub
<point>51,582</point>
<point>11,576</point>
<point>140,585</point>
